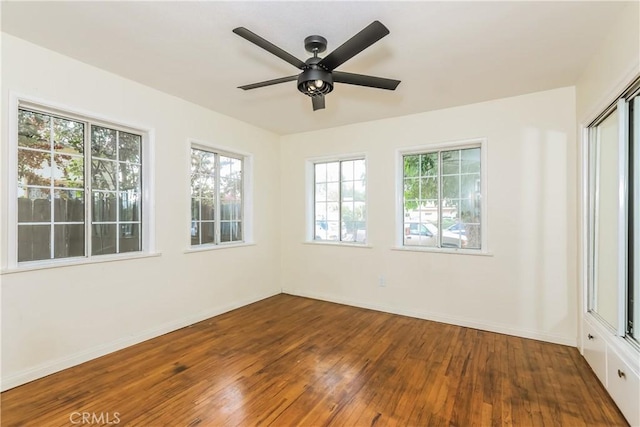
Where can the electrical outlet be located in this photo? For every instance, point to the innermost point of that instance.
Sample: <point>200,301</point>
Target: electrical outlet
<point>382,281</point>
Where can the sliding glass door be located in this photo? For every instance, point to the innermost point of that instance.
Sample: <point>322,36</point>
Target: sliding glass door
<point>614,216</point>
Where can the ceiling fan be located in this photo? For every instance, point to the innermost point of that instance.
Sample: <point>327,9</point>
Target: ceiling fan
<point>318,75</point>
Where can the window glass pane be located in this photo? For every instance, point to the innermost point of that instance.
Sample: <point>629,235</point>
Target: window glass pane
<point>450,162</point>
<point>347,191</point>
<point>348,212</point>
<point>68,136</point>
<point>34,204</point>
<point>34,130</point>
<point>605,150</point>
<point>428,188</point>
<point>333,211</point>
<point>129,238</point>
<point>207,209</point>
<point>333,192</point>
<point>321,193</point>
<point>429,164</point>
<point>202,162</point>
<point>207,232</point>
<point>470,160</point>
<point>359,170</point>
<point>129,176</point>
<point>68,206</point>
<point>68,240</point>
<point>230,231</point>
<point>333,172</point>
<point>104,175</point>
<point>103,142</point>
<point>195,233</point>
<point>347,171</point>
<point>129,147</point>
<point>333,230</point>
<point>470,185</point>
<point>412,188</point>
<point>34,242</point>
<point>411,166</point>
<point>420,234</point>
<point>359,211</point>
<point>321,230</point>
<point>195,209</point>
<point>68,171</point>
<point>103,239</point>
<point>34,168</point>
<point>321,172</point>
<point>104,207</point>
<point>129,206</point>
<point>451,187</point>
<point>359,191</point>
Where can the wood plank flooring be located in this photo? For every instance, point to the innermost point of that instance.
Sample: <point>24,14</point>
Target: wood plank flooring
<point>288,361</point>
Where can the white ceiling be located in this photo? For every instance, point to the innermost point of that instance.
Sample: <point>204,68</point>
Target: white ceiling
<point>445,53</point>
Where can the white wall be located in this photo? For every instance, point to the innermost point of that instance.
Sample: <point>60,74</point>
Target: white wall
<point>55,318</point>
<point>527,287</point>
<point>613,66</point>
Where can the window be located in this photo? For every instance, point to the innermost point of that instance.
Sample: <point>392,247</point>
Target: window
<point>216,197</point>
<point>79,186</point>
<point>613,211</point>
<point>442,197</point>
<point>340,201</point>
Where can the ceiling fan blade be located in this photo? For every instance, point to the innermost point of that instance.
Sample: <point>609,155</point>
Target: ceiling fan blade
<point>318,102</point>
<point>269,47</point>
<point>268,83</point>
<point>356,44</point>
<point>362,80</point>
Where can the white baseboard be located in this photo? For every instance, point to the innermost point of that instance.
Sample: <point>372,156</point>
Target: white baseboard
<point>60,364</point>
<point>442,318</point>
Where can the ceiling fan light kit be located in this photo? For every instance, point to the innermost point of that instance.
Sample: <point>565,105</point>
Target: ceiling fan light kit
<point>318,76</point>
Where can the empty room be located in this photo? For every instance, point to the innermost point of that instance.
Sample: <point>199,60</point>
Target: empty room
<point>320,213</point>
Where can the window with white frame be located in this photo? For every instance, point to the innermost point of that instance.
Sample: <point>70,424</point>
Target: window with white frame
<point>340,201</point>
<point>442,196</point>
<point>217,197</point>
<point>79,186</point>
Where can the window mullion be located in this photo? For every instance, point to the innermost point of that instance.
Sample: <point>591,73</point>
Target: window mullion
<point>339,201</point>
<point>216,214</point>
<point>439,237</point>
<point>51,191</point>
<point>88,191</point>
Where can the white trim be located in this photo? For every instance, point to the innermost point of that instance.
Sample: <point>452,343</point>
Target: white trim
<point>616,91</point>
<point>443,318</point>
<point>623,159</point>
<point>212,247</point>
<point>474,252</point>
<point>16,100</point>
<point>69,262</point>
<point>583,239</point>
<point>336,243</point>
<point>50,367</point>
<point>462,144</point>
<point>625,349</point>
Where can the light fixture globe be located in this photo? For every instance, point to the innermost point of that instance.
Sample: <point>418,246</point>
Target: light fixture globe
<point>315,81</point>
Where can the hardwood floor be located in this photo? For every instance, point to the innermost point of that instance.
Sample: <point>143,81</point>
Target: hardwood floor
<point>295,361</point>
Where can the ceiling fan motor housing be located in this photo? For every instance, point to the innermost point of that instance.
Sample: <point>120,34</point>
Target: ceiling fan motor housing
<point>315,81</point>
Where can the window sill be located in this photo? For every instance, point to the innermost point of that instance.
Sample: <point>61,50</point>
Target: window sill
<point>472,252</point>
<point>44,265</point>
<point>205,248</point>
<point>342,244</point>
